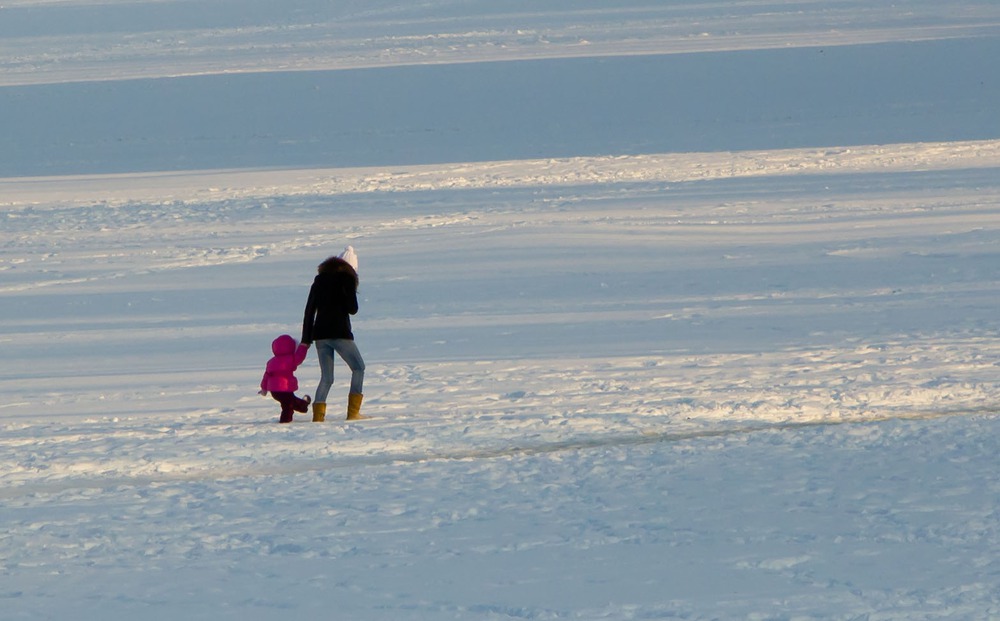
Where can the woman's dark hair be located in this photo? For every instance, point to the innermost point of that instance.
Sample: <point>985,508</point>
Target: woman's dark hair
<point>336,264</point>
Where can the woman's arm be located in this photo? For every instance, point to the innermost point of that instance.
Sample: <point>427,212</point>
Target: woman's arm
<point>309,317</point>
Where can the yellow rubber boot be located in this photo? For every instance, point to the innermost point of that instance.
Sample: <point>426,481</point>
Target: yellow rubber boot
<point>319,412</point>
<point>354,406</point>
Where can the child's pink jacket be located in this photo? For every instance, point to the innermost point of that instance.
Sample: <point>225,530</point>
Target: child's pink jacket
<point>280,373</point>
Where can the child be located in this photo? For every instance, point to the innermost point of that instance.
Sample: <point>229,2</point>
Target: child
<point>279,378</point>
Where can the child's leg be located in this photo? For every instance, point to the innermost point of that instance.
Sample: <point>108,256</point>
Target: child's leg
<point>299,404</point>
<point>286,399</point>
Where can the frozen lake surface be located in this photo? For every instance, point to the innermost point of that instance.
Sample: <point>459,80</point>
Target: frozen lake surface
<point>552,108</point>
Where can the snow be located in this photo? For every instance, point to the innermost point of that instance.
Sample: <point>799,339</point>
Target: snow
<point>676,311</point>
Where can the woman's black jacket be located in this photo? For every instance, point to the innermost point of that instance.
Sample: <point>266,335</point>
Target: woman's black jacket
<point>333,298</point>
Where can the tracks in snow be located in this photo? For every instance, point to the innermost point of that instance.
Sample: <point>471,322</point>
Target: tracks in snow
<point>89,475</point>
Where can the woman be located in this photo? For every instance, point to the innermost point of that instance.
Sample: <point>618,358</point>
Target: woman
<point>333,298</point>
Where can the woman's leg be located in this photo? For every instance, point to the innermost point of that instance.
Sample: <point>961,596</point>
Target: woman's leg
<point>324,353</point>
<point>349,351</point>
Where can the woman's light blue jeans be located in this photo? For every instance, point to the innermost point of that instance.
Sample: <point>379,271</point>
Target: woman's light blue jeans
<point>325,348</point>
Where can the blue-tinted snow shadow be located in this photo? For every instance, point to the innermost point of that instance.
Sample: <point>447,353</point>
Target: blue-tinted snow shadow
<point>763,99</point>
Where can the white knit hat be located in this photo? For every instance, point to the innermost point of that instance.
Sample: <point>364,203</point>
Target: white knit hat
<point>350,257</point>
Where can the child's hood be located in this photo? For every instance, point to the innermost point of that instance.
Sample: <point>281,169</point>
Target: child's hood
<point>284,345</point>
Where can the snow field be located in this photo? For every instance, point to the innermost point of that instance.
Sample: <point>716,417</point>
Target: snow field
<point>817,524</point>
<point>683,311</point>
<point>803,423</point>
